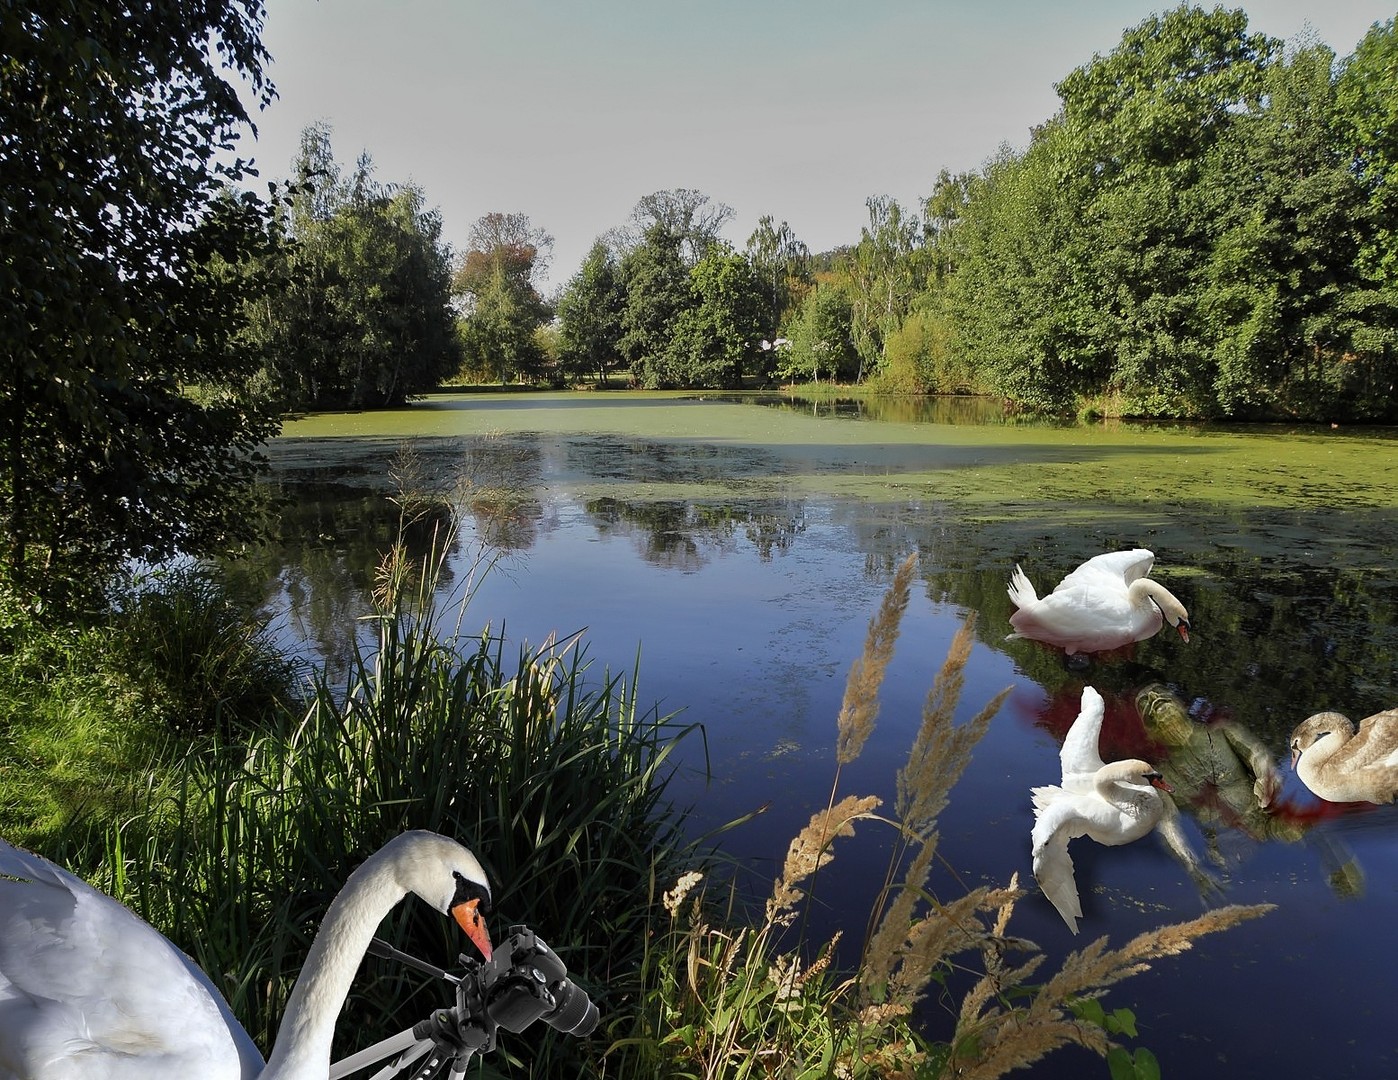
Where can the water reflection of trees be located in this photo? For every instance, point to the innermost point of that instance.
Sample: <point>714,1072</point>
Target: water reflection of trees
<point>679,535</point>
<point>317,571</point>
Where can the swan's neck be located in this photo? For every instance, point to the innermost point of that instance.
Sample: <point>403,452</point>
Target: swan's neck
<point>1147,592</point>
<point>1133,799</point>
<point>302,1050</point>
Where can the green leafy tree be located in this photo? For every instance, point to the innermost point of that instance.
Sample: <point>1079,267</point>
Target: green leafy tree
<point>1020,297</point>
<point>590,315</point>
<point>783,266</point>
<point>884,276</point>
<point>1141,123</point>
<point>686,215</point>
<point>1292,313</point>
<point>503,306</point>
<point>657,293</point>
<point>822,341</point>
<point>128,426</point>
<point>718,340</point>
<point>363,316</point>
<point>1366,98</point>
<point>942,212</point>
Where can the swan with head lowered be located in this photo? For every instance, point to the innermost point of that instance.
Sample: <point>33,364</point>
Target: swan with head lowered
<point>1111,803</point>
<point>1105,603</point>
<point>1341,764</point>
<point>89,991</point>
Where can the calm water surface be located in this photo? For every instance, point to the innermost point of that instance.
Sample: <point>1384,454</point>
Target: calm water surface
<point>742,547</point>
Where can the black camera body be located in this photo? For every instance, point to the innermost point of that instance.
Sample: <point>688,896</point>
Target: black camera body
<point>523,981</point>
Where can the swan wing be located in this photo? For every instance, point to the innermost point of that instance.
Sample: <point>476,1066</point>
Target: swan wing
<point>89,990</point>
<point>1079,756</point>
<point>1120,568</point>
<point>1055,823</point>
<point>1374,744</point>
<point>1087,616</point>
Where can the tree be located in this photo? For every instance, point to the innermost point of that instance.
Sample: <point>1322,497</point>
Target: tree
<point>783,265</point>
<point>1021,293</point>
<point>590,315</point>
<point>1292,313</point>
<point>716,341</point>
<point>686,215</point>
<point>503,305</point>
<point>128,426</point>
<point>821,337</point>
<point>884,276</point>
<point>656,281</point>
<point>362,316</point>
<point>1366,96</point>
<point>1141,124</point>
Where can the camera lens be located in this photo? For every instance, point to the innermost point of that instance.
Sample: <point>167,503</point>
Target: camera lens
<point>574,1014</point>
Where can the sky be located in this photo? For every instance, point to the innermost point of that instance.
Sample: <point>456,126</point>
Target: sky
<point>570,111</point>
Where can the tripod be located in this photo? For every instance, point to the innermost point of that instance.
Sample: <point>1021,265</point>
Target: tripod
<point>523,981</point>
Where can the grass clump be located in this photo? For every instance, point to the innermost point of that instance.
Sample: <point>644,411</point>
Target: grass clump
<point>94,712</point>
<point>732,998</point>
<point>553,777</point>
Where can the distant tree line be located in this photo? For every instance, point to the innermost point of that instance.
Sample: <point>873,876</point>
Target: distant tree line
<point>1205,228</point>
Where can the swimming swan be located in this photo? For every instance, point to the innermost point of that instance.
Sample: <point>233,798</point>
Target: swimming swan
<point>89,991</point>
<point>1105,603</point>
<point>1342,765</point>
<point>1113,804</point>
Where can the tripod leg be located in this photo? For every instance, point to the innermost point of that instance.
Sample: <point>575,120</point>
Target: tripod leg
<point>404,1040</point>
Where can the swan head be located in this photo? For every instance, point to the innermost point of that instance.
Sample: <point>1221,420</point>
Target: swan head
<point>1133,773</point>
<point>1169,604</point>
<point>1311,731</point>
<point>1175,614</point>
<point>451,879</point>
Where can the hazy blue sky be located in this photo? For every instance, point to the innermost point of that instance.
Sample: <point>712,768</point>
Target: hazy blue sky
<point>571,110</point>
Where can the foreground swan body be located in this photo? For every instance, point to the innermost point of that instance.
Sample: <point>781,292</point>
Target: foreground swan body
<point>88,991</point>
<point>1342,765</point>
<point>1113,804</point>
<point>1105,603</point>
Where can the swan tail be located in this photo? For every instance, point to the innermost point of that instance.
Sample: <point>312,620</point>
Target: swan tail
<point>1021,589</point>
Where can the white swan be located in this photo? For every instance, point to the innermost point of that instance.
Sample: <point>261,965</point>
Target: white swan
<point>89,991</point>
<point>1113,804</point>
<point>1342,765</point>
<point>1105,603</point>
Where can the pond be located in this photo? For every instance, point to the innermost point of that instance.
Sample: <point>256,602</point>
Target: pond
<point>741,546</point>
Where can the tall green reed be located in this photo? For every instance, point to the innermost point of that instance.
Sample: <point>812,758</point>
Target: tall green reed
<point>552,774</point>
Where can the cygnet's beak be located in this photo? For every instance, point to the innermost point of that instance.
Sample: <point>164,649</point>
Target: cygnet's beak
<point>468,916</point>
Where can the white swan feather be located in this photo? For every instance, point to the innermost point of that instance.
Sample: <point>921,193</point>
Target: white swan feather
<point>1112,803</point>
<point>1105,603</point>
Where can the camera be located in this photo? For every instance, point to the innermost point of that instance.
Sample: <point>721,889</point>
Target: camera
<point>523,981</point>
